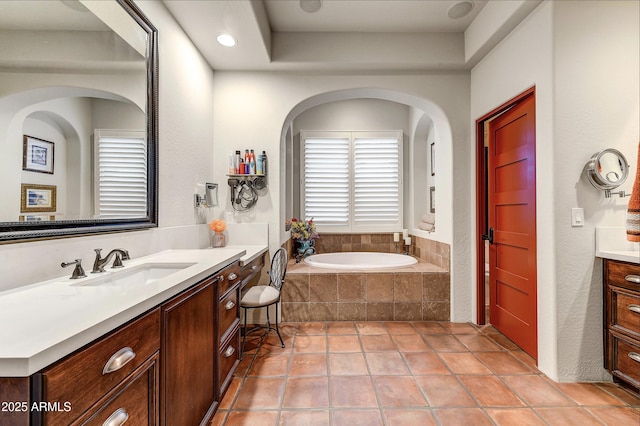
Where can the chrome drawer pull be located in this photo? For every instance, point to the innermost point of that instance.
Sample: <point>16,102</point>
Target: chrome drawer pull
<point>634,308</point>
<point>254,267</point>
<point>118,360</point>
<point>634,356</point>
<point>232,276</point>
<point>230,350</point>
<point>119,417</point>
<point>221,278</point>
<point>633,279</point>
<point>230,305</point>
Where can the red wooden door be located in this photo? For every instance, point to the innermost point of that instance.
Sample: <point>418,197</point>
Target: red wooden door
<point>512,225</point>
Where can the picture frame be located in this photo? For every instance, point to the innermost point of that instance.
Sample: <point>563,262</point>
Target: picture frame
<point>432,199</point>
<point>36,198</point>
<point>37,155</point>
<point>36,218</point>
<point>433,158</point>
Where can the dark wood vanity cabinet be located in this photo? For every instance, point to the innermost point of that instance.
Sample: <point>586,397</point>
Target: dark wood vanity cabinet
<point>188,362</point>
<point>228,337</point>
<point>199,348</point>
<point>622,321</point>
<point>84,385</point>
<point>170,366</point>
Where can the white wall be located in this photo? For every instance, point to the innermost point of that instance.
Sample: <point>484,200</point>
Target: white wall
<point>596,105</point>
<point>582,58</point>
<point>185,152</point>
<point>253,109</point>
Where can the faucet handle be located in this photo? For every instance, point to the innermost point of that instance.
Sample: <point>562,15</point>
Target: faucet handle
<point>117,262</point>
<point>78,271</point>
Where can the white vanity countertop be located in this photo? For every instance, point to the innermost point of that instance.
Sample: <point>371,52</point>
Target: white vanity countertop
<point>252,252</point>
<point>42,323</point>
<point>612,243</point>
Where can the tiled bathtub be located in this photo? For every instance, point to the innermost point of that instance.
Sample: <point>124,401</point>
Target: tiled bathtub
<point>417,292</point>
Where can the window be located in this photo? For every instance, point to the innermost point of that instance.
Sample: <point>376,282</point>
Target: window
<point>121,174</point>
<point>351,180</point>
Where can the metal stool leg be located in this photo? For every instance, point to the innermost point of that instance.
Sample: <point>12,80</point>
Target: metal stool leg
<point>278,329</point>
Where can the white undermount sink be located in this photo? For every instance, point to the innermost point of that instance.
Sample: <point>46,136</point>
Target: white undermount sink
<point>132,276</point>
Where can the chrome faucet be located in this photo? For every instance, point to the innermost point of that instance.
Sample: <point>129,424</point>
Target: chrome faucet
<point>100,262</point>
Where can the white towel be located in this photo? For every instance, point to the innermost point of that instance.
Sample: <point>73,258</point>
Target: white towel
<point>429,227</point>
<point>428,218</point>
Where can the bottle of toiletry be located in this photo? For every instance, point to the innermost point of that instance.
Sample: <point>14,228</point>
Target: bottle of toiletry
<point>237,164</point>
<point>252,166</point>
<point>241,167</point>
<point>264,163</point>
<point>232,163</point>
<point>259,168</point>
<point>246,156</point>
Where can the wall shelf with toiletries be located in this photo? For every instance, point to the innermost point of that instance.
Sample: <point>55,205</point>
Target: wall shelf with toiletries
<point>246,176</point>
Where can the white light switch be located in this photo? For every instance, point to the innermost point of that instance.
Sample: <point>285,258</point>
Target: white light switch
<point>577,216</point>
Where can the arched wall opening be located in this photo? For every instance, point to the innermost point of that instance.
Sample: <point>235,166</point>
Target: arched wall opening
<point>427,124</point>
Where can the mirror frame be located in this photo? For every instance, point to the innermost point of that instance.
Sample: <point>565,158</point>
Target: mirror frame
<point>594,176</point>
<point>13,232</point>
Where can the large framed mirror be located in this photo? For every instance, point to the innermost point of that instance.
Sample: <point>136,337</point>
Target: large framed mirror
<point>78,118</point>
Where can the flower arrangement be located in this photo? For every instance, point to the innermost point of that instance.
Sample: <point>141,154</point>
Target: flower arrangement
<point>303,230</point>
<point>217,225</point>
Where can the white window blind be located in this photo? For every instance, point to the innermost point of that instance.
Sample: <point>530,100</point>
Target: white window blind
<point>121,169</point>
<point>352,180</point>
<point>376,181</point>
<point>326,180</point>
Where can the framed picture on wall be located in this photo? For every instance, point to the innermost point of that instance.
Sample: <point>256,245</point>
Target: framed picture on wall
<point>432,199</point>
<point>37,155</point>
<point>37,198</point>
<point>36,218</point>
<point>433,158</point>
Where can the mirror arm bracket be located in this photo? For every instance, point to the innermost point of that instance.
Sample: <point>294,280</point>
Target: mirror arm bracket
<point>608,193</point>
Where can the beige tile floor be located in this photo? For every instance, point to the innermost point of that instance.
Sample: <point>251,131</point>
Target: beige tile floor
<point>408,373</point>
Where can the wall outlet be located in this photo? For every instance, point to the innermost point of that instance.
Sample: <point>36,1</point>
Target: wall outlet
<point>577,217</point>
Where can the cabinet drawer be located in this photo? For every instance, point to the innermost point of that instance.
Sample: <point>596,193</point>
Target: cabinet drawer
<point>86,376</point>
<point>623,274</point>
<point>228,359</point>
<point>136,401</point>
<point>626,359</point>
<point>625,316</point>
<point>252,269</point>
<point>228,277</point>
<point>228,312</point>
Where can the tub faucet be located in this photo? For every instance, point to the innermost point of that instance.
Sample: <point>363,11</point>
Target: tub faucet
<point>302,255</point>
<point>100,262</point>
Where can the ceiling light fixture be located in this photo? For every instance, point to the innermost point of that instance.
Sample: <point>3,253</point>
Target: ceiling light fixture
<point>227,40</point>
<point>310,6</point>
<point>460,10</point>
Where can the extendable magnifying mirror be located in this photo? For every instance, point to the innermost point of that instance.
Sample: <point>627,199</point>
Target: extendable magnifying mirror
<point>607,170</point>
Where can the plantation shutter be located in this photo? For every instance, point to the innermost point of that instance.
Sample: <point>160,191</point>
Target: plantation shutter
<point>326,180</point>
<point>352,180</point>
<point>376,181</point>
<point>121,168</point>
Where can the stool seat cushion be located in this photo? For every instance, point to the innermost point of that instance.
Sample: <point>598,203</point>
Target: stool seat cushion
<point>260,295</point>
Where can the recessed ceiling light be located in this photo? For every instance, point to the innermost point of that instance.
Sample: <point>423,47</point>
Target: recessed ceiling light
<point>460,10</point>
<point>310,6</point>
<point>227,40</point>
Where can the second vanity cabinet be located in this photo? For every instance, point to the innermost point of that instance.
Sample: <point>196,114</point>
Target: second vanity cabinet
<point>622,321</point>
<point>169,366</point>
